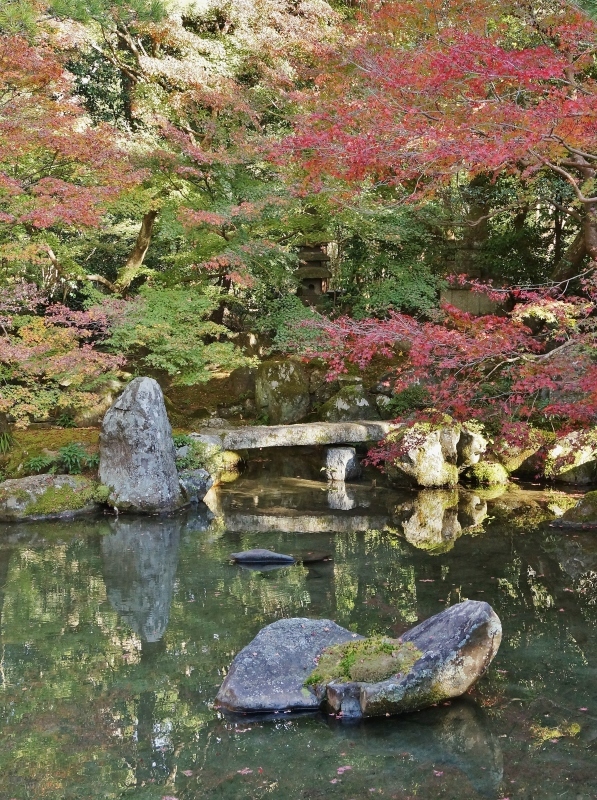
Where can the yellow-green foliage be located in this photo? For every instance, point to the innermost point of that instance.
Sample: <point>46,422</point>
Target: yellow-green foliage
<point>367,660</point>
<point>65,498</point>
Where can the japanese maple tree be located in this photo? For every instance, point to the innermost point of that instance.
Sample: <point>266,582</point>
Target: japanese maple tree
<point>57,172</point>
<point>423,91</point>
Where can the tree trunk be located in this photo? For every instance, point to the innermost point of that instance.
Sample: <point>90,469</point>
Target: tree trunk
<point>583,245</point>
<point>570,264</point>
<point>134,264</point>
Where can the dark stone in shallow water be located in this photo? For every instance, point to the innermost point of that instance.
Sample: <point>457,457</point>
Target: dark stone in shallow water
<point>269,673</point>
<point>260,556</point>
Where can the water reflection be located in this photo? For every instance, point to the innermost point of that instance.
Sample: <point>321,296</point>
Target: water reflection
<point>115,635</point>
<point>458,736</point>
<point>140,558</point>
<point>433,519</point>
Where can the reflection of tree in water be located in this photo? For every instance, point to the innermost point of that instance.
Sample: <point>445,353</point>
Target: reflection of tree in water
<point>140,560</point>
<point>279,593</point>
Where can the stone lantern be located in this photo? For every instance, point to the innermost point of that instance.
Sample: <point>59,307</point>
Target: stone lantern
<point>313,272</point>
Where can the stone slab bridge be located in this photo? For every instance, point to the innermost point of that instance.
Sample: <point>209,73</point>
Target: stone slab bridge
<point>299,435</point>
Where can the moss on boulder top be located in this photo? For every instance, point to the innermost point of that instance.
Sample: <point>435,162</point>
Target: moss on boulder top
<point>46,497</point>
<point>486,473</point>
<point>366,660</point>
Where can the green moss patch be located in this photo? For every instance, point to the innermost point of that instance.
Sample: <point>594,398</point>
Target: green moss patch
<point>56,500</point>
<point>365,660</point>
<point>487,473</point>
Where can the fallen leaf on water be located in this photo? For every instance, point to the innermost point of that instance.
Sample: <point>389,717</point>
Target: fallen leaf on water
<point>245,771</point>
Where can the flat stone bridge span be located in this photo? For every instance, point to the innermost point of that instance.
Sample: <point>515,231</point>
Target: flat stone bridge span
<point>301,434</point>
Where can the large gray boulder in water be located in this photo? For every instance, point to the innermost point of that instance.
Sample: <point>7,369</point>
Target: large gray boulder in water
<point>137,455</point>
<point>445,656</point>
<point>268,674</point>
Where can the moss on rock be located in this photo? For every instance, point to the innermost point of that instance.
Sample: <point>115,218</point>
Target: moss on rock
<point>486,473</point>
<point>582,515</point>
<point>57,499</point>
<point>45,496</point>
<point>366,660</point>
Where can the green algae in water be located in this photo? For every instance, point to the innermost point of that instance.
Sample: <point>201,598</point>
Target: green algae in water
<point>367,660</point>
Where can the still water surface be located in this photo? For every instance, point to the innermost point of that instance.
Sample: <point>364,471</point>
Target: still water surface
<point>115,636</point>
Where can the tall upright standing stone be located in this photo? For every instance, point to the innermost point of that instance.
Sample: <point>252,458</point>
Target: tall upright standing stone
<point>137,455</point>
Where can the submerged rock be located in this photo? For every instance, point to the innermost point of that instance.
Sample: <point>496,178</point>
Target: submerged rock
<point>39,497</point>
<point>269,673</point>
<point>282,391</point>
<point>260,556</point>
<point>582,516</point>
<point>137,454</point>
<point>439,659</point>
<point>342,464</point>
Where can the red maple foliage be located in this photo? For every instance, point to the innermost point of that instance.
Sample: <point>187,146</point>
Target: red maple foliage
<point>56,170</point>
<point>425,90</point>
<point>420,92</point>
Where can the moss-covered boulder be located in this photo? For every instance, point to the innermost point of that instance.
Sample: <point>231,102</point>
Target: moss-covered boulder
<point>427,455</point>
<point>282,391</point>
<point>521,458</point>
<point>572,459</point>
<point>438,659</point>
<point>582,516</point>
<point>471,446</point>
<point>369,660</point>
<point>350,403</point>
<point>486,473</point>
<point>47,497</point>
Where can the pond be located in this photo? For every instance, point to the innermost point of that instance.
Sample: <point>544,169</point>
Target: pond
<point>115,635</point>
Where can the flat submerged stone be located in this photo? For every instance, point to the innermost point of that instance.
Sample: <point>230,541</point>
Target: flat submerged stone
<point>260,556</point>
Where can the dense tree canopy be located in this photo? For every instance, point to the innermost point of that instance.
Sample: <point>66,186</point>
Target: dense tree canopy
<point>165,162</point>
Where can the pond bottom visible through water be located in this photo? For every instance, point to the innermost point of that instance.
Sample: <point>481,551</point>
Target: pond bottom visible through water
<point>115,635</point>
